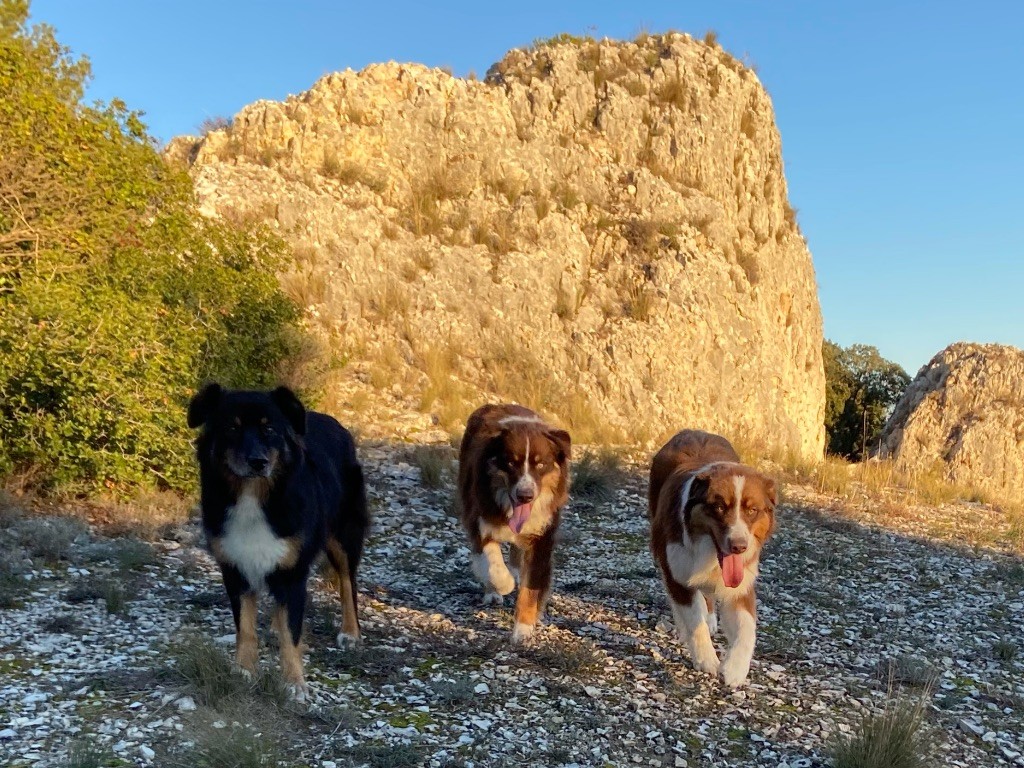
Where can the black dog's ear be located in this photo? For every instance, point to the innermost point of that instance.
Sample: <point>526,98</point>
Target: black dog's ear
<point>563,443</point>
<point>203,404</point>
<point>292,409</point>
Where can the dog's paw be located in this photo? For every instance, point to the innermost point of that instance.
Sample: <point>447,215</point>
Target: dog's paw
<point>706,662</point>
<point>298,692</point>
<point>502,581</point>
<point>345,640</point>
<point>521,633</point>
<point>493,598</point>
<point>734,672</point>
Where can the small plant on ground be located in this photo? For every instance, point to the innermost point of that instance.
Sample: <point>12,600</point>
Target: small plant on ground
<point>384,755</point>
<point>576,657</point>
<point>63,624</point>
<point>1004,650</point>
<point>85,755</point>
<point>236,747</point>
<point>433,463</point>
<point>595,476</point>
<point>894,738</point>
<point>217,682</point>
<point>49,538</point>
<point>115,598</point>
<point>134,555</point>
<point>454,691</point>
<point>909,670</point>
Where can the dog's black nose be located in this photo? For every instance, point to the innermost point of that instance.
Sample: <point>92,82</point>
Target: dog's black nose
<point>738,547</point>
<point>525,497</point>
<point>258,464</point>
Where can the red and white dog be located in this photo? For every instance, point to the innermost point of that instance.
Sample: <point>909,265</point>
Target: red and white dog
<point>710,516</point>
<point>513,480</point>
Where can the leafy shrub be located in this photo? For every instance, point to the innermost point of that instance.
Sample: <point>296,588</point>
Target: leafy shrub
<point>861,388</point>
<point>116,297</point>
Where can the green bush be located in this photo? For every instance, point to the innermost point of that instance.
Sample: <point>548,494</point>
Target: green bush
<point>861,389</point>
<point>116,297</point>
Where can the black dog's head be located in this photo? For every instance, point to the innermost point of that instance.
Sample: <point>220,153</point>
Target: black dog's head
<point>248,434</point>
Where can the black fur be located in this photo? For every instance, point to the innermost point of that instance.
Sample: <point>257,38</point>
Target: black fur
<point>305,467</point>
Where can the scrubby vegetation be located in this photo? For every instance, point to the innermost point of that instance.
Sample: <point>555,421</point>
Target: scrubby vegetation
<point>861,388</point>
<point>116,297</point>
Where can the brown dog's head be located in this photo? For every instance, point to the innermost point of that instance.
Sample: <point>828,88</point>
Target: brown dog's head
<point>735,506</point>
<point>528,464</point>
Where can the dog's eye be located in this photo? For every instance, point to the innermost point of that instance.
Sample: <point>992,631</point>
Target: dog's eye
<point>267,429</point>
<point>540,465</point>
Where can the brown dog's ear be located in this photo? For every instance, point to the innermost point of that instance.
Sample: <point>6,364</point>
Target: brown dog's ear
<point>203,404</point>
<point>563,443</point>
<point>769,489</point>
<point>292,409</point>
<point>698,491</point>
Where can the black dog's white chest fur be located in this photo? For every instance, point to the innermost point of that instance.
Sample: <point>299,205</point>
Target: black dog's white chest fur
<point>249,542</point>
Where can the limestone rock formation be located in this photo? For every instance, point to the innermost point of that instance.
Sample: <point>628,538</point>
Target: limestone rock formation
<point>964,414</point>
<point>599,230</point>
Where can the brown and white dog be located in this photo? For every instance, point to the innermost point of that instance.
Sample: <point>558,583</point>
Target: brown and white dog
<point>710,516</point>
<point>513,480</point>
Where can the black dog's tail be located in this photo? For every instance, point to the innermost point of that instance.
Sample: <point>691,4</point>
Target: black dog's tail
<point>354,520</point>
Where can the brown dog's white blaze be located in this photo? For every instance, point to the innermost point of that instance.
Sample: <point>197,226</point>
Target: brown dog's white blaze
<point>710,516</point>
<point>513,480</point>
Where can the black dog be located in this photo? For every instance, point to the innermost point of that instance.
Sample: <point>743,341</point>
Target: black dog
<point>279,486</point>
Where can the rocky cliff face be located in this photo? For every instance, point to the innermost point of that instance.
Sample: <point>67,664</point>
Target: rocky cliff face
<point>964,414</point>
<point>598,230</point>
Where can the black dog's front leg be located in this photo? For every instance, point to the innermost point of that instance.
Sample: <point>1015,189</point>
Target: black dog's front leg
<point>243,609</point>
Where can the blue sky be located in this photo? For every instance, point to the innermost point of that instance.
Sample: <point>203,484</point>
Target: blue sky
<point>902,122</point>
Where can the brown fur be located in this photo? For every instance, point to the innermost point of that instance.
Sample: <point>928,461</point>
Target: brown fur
<point>246,642</point>
<point>712,494</point>
<point>291,651</point>
<point>491,461</point>
<point>710,466</point>
<point>349,616</point>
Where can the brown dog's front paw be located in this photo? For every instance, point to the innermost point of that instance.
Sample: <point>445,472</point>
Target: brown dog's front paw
<point>522,633</point>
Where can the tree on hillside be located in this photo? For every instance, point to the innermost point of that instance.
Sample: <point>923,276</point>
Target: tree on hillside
<point>116,297</point>
<point>861,388</point>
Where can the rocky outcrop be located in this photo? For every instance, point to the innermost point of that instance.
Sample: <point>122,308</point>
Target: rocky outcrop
<point>599,230</point>
<point>964,415</point>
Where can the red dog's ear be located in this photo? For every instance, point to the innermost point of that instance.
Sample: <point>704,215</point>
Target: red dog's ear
<point>563,443</point>
<point>769,488</point>
<point>203,404</point>
<point>697,492</point>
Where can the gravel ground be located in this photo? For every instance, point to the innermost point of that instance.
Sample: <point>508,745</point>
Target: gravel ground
<point>847,611</point>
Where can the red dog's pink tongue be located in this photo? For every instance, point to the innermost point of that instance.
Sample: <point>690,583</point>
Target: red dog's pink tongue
<point>519,515</point>
<point>732,569</point>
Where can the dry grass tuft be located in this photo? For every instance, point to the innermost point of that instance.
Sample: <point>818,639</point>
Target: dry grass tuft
<point>893,739</point>
<point>235,747</point>
<point>434,463</point>
<point>213,677</point>
<point>595,476</point>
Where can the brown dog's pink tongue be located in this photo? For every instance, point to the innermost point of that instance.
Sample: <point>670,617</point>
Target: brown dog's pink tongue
<point>519,516</point>
<point>732,569</point>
